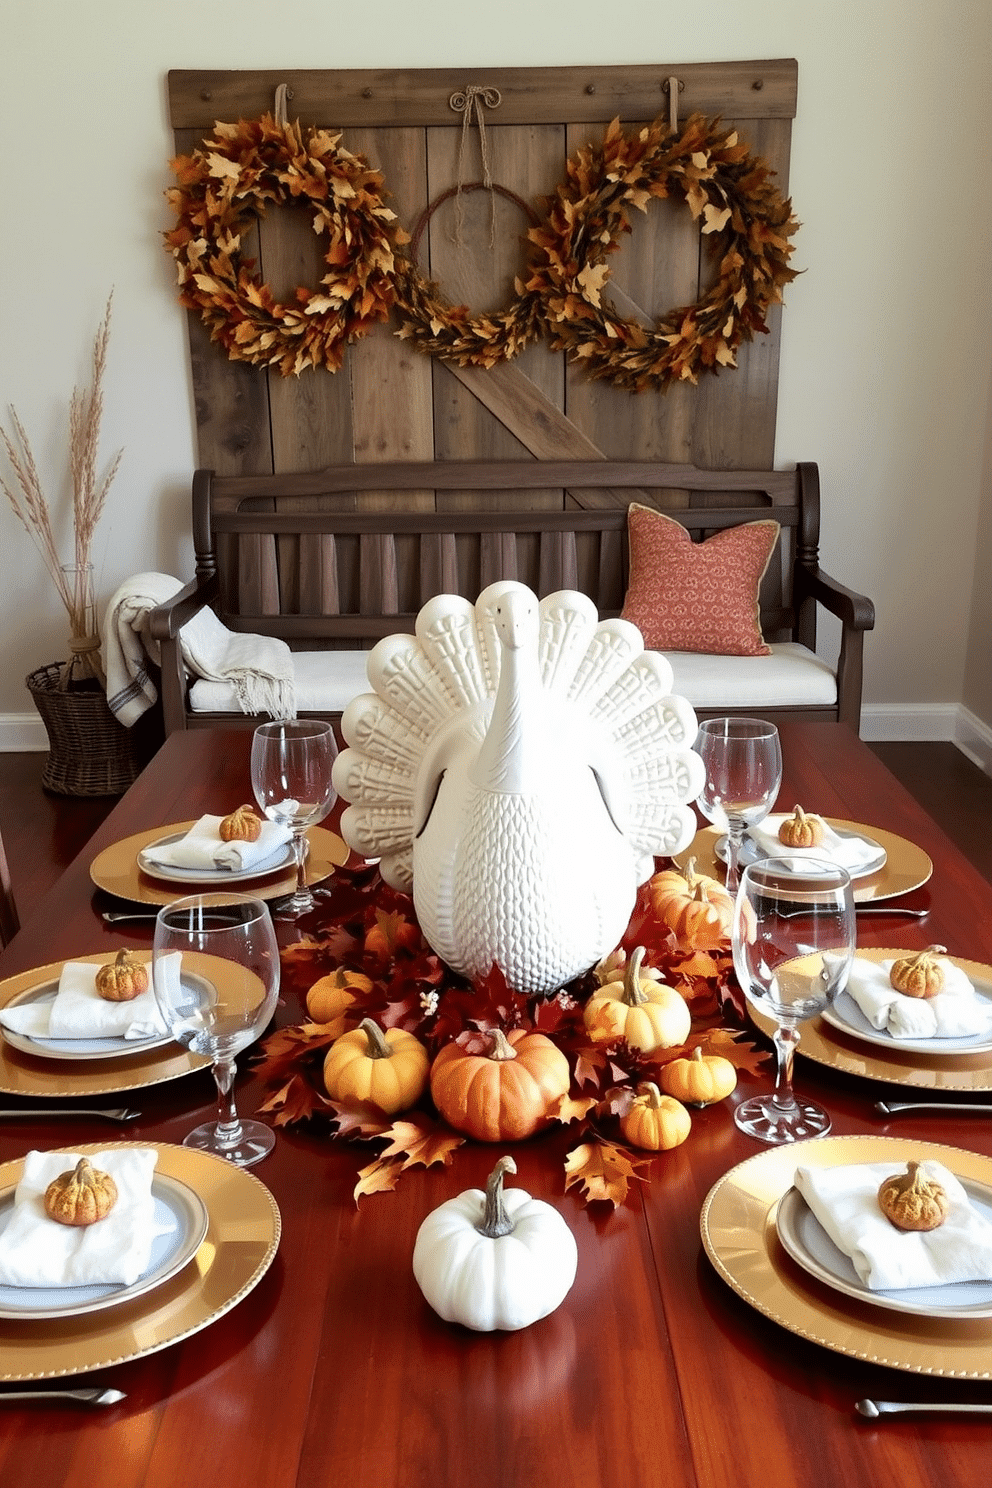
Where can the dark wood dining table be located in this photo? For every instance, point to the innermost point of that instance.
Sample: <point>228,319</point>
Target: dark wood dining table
<point>334,1370</point>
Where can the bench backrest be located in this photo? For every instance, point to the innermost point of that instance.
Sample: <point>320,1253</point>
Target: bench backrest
<point>345,555</point>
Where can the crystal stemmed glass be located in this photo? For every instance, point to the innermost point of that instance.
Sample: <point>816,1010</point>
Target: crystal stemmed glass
<point>743,760</point>
<point>291,766</point>
<point>217,1004</point>
<point>794,936</point>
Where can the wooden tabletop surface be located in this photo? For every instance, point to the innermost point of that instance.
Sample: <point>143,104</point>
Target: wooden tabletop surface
<point>335,1371</point>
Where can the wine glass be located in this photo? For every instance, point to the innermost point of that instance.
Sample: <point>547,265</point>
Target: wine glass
<point>743,760</point>
<point>291,766</point>
<point>216,999</point>
<point>794,936</point>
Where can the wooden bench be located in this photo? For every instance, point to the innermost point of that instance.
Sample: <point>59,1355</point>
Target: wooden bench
<point>330,561</point>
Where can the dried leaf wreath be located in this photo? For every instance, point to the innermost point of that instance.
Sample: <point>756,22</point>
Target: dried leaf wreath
<point>366,948</point>
<point>747,220</point>
<point>225,186</point>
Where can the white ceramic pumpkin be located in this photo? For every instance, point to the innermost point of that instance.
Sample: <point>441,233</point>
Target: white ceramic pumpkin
<point>498,1259</point>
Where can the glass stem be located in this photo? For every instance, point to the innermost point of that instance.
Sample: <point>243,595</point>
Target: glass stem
<point>735,839</point>
<point>786,1040</point>
<point>228,1121</point>
<point>300,843</point>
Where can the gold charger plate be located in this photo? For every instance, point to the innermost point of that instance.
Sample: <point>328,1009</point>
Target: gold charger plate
<point>116,869</point>
<point>26,1074</point>
<point>243,1232</point>
<point>825,1044</point>
<point>906,866</point>
<point>739,1235</point>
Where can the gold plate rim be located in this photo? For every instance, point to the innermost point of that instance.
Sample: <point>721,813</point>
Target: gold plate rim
<point>243,1232</point>
<point>737,1228</point>
<point>822,1043</point>
<point>116,870</point>
<point>906,867</point>
<point>46,1078</point>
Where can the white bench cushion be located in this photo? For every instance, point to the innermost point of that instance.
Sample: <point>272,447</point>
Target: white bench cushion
<point>326,681</point>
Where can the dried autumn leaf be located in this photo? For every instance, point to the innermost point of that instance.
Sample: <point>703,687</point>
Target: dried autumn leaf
<point>604,1170</point>
<point>569,1108</point>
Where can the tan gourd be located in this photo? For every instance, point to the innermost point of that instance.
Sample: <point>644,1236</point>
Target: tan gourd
<point>648,1014</point>
<point>81,1195</point>
<point>654,1121</point>
<point>123,979</point>
<point>699,1080</point>
<point>919,975</point>
<point>242,825</point>
<point>912,1201</point>
<point>801,829</point>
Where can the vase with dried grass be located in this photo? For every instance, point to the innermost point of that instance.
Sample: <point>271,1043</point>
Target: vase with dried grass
<point>90,753</point>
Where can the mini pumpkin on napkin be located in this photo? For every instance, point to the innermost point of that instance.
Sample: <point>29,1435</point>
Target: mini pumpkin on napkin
<point>846,1203</point>
<point>955,1012</point>
<point>204,850</point>
<point>37,1251</point>
<point>852,853</point>
<point>79,1012</point>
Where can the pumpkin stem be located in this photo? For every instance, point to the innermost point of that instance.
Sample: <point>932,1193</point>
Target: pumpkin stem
<point>501,1049</point>
<point>923,958</point>
<point>495,1220</point>
<point>378,1048</point>
<point>688,871</point>
<point>650,1094</point>
<point>632,994</point>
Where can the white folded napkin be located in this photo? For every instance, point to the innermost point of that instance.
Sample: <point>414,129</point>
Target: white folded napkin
<point>955,1012</point>
<point>203,849</point>
<point>79,1012</point>
<point>36,1251</point>
<point>845,1201</point>
<point>852,853</point>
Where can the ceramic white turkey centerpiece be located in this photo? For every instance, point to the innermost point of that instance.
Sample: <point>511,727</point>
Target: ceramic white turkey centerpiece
<point>517,767</point>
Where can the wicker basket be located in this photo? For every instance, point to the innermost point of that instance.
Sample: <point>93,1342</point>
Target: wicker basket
<point>90,752</point>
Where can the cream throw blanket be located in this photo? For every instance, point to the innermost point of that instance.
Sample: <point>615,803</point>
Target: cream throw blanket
<point>259,668</point>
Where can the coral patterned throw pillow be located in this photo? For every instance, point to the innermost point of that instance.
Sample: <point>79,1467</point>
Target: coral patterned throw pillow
<point>687,596</point>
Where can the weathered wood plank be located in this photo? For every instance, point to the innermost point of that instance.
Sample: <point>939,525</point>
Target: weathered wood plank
<point>542,95</point>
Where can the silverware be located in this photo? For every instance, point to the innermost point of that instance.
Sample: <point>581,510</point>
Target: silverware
<point>113,915</point>
<point>32,1113</point>
<point>892,1108</point>
<point>85,1397</point>
<point>868,908</point>
<point>872,1409</point>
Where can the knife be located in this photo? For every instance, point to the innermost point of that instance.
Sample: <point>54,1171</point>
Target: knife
<point>892,1108</point>
<point>85,1397</point>
<point>113,1113</point>
<point>872,1409</point>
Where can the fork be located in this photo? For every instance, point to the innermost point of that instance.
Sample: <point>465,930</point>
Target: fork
<point>872,1409</point>
<point>113,1113</point>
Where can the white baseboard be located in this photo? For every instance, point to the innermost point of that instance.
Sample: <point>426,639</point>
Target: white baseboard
<point>22,733</point>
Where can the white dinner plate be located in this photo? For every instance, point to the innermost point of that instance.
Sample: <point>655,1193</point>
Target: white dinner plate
<point>845,1015</point>
<point>177,1209</point>
<point>751,853</point>
<point>116,1047</point>
<point>809,1245</point>
<point>167,873</point>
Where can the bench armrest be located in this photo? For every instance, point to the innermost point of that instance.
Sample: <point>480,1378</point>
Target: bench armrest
<point>852,609</point>
<point>164,624</point>
<point>856,614</point>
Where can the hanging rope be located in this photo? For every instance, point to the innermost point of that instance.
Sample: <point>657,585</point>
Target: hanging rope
<point>471,104</point>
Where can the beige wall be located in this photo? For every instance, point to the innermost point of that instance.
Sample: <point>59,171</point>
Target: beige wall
<point>885,357</point>
<point>978,663</point>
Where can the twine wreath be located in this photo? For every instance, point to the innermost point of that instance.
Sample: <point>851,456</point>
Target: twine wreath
<point>747,220</point>
<point>225,186</point>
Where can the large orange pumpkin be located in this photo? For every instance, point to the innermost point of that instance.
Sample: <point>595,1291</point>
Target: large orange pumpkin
<point>648,1014</point>
<point>503,1095</point>
<point>696,908</point>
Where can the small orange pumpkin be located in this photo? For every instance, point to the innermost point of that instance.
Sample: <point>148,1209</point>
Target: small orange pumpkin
<point>920,974</point>
<point>503,1095</point>
<point>699,1080</point>
<point>654,1121</point>
<point>387,1070</point>
<point>696,908</point>
<point>802,829</point>
<point>243,825</point>
<point>648,1014</point>
<point>81,1195</point>
<point>123,979</point>
<point>329,999</point>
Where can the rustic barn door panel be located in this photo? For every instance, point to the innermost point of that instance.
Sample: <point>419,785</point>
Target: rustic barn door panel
<point>391,402</point>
